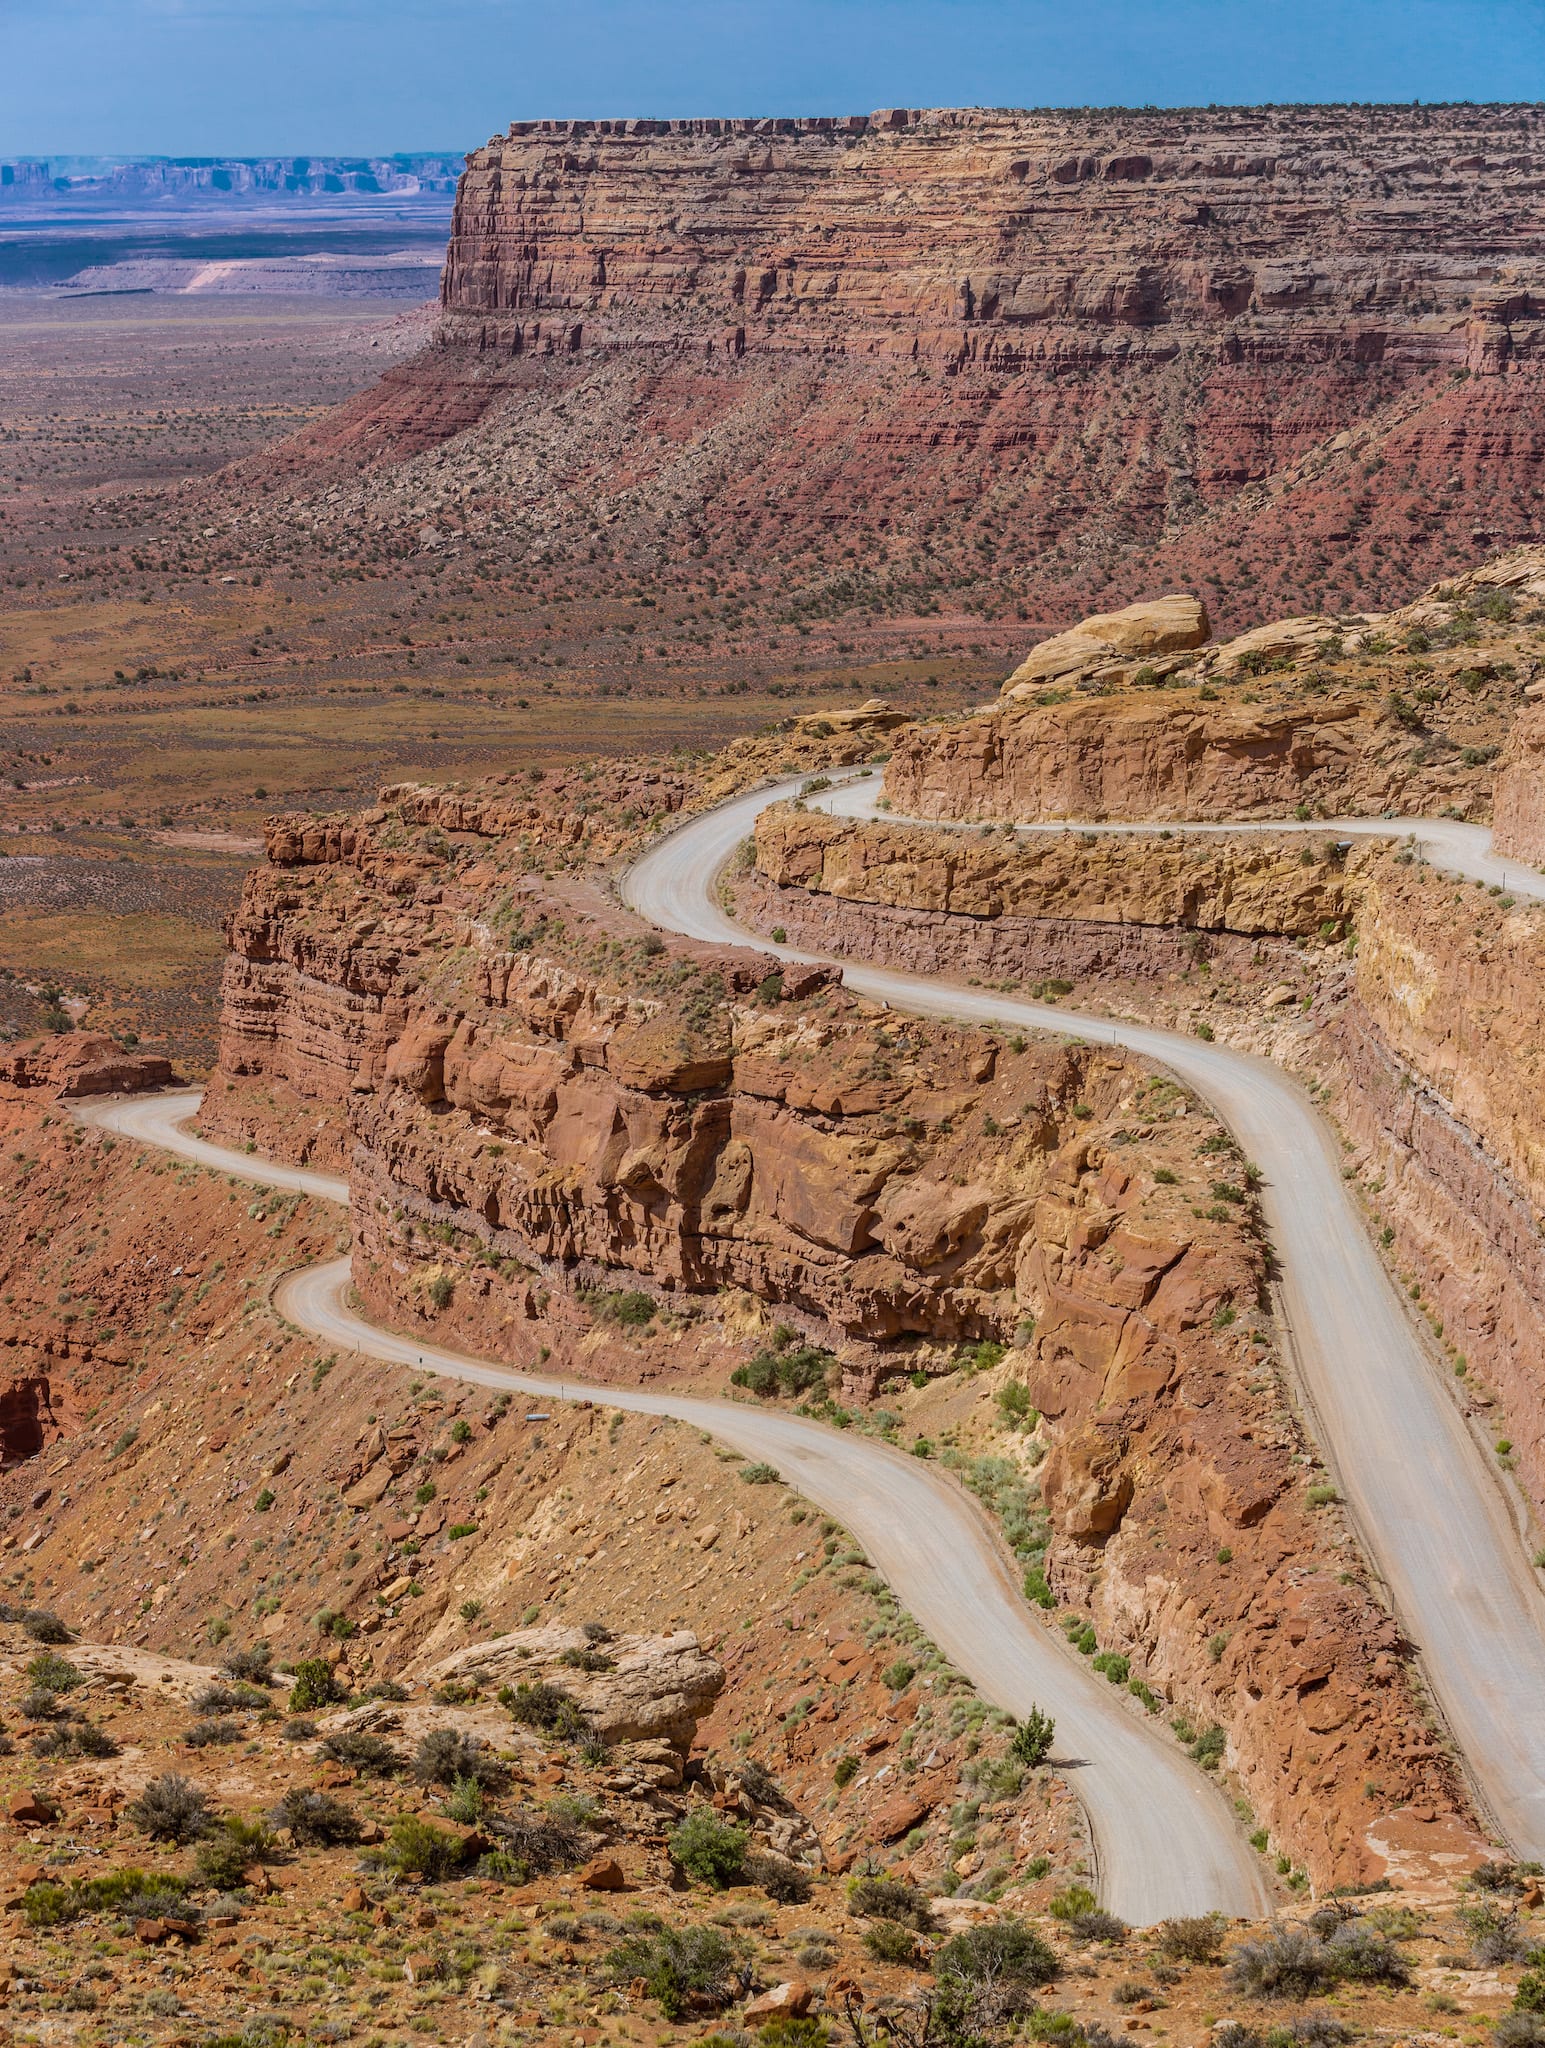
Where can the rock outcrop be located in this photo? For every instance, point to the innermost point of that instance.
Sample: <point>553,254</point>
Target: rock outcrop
<point>79,1063</point>
<point>629,1689</point>
<point>1110,647</point>
<point>1307,711</point>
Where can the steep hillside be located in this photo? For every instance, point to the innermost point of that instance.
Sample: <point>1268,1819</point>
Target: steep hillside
<point>1029,357</point>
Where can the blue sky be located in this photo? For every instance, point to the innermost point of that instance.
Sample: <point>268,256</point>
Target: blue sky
<point>239,76</point>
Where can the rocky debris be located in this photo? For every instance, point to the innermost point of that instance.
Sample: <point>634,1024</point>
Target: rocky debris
<point>646,1689</point>
<point>1108,648</point>
<point>77,1063</point>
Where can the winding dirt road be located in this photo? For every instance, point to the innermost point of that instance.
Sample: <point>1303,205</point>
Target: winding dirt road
<point>1165,1841</point>
<point>1431,1510</point>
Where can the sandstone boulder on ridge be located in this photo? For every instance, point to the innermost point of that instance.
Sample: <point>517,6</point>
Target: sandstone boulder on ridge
<point>652,1689</point>
<point>1109,644</point>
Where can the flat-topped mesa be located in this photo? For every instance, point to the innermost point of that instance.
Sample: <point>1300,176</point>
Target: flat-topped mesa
<point>1010,238</point>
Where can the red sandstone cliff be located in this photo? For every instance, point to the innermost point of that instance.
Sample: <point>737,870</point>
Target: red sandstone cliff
<point>1032,357</point>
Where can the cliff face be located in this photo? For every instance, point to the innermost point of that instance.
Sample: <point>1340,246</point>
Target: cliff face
<point>1001,238</point>
<point>542,1109</point>
<point>1031,357</point>
<point>1380,713</point>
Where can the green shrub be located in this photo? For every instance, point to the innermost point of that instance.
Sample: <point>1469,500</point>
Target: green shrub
<point>1530,1995</point>
<point>222,1860</point>
<point>889,1941</point>
<point>759,1475</point>
<point>441,1290</point>
<point>898,1676</point>
<point>547,1707</point>
<point>56,1674</point>
<point>710,1849</point>
<point>786,1368</point>
<point>1072,1900</point>
<point>844,1771</point>
<point>416,1846</point>
<point>1015,1405</point>
<point>1001,1952</point>
<point>1209,1747</point>
<point>682,1967</point>
<point>315,1686</point>
<point>629,1307</point>
<point>1033,1738</point>
<point>1038,1588</point>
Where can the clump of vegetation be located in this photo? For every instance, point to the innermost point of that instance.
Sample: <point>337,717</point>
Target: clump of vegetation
<point>630,1308</point>
<point>786,1366</point>
<point>886,1898</point>
<point>359,1750</point>
<point>315,1686</point>
<point>315,1820</point>
<point>252,1666</point>
<point>445,1756</point>
<point>683,1968</point>
<point>170,1809</point>
<point>547,1707</point>
<point>416,1847</point>
<point>710,1849</point>
<point>1033,1738</point>
<point>1194,1938</point>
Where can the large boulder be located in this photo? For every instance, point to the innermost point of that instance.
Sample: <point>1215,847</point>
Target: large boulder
<point>654,1689</point>
<point>1110,645</point>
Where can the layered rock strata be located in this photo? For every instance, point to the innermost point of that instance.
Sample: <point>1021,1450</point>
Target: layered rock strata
<point>551,1117</point>
<point>1017,351</point>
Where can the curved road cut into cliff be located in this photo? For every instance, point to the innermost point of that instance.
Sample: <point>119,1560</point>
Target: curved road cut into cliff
<point>1164,1838</point>
<point>1431,1511</point>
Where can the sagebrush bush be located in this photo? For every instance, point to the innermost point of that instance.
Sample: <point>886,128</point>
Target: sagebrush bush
<point>445,1756</point>
<point>212,1734</point>
<point>778,1878</point>
<point>1194,1938</point>
<point>886,1898</point>
<point>361,1751</point>
<point>1284,1962</point>
<point>170,1809</point>
<point>315,1820</point>
<point>254,1665</point>
<point>683,1967</point>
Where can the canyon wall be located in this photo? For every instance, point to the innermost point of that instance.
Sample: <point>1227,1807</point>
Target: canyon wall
<point>1000,238</point>
<point>1519,800</point>
<point>548,1113</point>
<point>1430,1037</point>
<point>1030,357</point>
